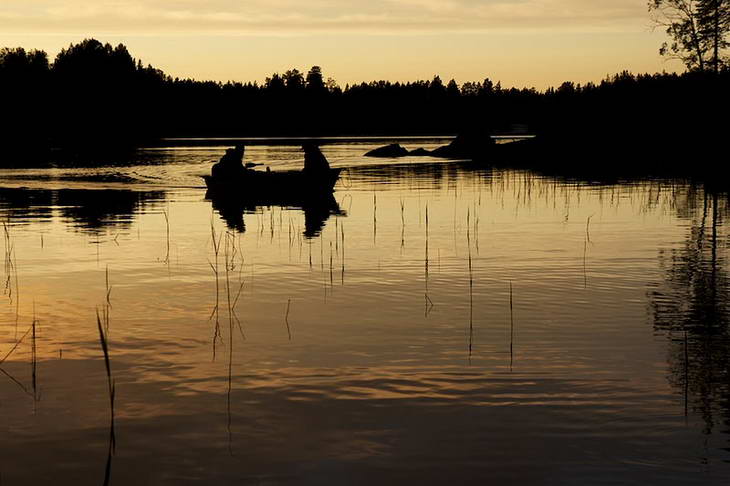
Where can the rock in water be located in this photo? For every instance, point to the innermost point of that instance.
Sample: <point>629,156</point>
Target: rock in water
<point>392,150</point>
<point>419,152</point>
<point>466,146</point>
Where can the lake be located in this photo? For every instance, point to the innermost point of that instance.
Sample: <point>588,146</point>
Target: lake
<point>436,322</point>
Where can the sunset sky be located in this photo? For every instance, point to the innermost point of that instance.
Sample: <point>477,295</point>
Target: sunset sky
<point>520,42</point>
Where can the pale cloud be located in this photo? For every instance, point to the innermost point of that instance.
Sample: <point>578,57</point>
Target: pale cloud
<point>297,17</point>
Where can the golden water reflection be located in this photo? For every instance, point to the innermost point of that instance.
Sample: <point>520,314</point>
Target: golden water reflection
<point>349,355</point>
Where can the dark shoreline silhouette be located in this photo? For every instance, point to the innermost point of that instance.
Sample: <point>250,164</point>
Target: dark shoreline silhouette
<point>97,101</point>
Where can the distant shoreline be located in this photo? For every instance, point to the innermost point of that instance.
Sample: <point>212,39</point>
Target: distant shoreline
<point>228,141</point>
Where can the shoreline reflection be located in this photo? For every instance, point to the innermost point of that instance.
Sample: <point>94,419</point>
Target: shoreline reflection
<point>91,210</point>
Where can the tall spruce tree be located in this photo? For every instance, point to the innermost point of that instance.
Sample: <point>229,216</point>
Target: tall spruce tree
<point>698,31</point>
<point>714,20</point>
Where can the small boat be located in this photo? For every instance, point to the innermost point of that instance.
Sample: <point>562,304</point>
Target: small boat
<point>289,183</point>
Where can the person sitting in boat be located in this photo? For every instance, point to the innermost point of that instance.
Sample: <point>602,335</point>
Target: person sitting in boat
<point>314,161</point>
<point>230,165</point>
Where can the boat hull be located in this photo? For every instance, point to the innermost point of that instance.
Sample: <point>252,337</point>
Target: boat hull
<point>283,183</point>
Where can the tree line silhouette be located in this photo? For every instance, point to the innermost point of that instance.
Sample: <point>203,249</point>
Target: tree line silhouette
<point>96,96</point>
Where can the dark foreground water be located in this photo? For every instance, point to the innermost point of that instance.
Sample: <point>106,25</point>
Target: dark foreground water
<point>434,323</point>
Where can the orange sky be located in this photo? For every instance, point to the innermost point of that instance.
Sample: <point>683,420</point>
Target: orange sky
<point>520,42</point>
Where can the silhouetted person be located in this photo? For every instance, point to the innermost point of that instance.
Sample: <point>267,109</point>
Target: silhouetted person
<point>316,213</point>
<point>314,161</point>
<point>230,165</point>
<point>231,210</point>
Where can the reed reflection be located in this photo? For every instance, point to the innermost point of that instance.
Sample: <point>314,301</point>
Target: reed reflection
<point>692,306</point>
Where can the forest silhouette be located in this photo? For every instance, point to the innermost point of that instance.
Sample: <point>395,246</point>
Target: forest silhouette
<point>96,98</point>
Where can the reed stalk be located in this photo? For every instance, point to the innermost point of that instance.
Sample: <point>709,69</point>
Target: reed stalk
<point>425,269</point>
<point>110,380</point>
<point>34,357</point>
<point>511,329</point>
<point>104,340</point>
<point>286,319</point>
<point>375,216</point>
<point>402,225</point>
<point>11,272</point>
<point>215,314</point>
<point>471,293</point>
<point>15,346</point>
<point>586,241</point>
<point>271,214</point>
<point>331,267</point>
<point>167,228</point>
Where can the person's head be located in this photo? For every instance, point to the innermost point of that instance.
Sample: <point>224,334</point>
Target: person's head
<point>310,147</point>
<point>240,148</point>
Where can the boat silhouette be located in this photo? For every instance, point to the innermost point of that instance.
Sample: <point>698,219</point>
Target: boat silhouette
<point>274,184</point>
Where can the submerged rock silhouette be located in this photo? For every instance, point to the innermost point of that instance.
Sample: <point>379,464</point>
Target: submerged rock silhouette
<point>465,146</point>
<point>392,150</point>
<point>420,152</point>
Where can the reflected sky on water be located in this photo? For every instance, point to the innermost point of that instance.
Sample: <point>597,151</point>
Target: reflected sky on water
<point>367,340</point>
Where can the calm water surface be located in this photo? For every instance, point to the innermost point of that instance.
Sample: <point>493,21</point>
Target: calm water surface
<point>435,323</point>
